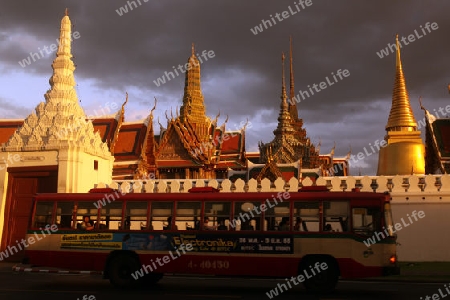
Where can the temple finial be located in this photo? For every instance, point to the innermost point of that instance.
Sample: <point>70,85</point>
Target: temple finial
<point>154,106</point>
<point>283,81</point>
<point>420,102</point>
<point>66,12</point>
<point>292,106</point>
<point>291,70</point>
<point>193,48</point>
<point>398,60</point>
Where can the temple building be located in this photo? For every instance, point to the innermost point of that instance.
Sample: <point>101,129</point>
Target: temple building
<point>55,149</point>
<point>404,152</point>
<point>291,153</point>
<point>190,146</point>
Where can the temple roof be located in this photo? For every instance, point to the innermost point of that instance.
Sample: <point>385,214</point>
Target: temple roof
<point>106,127</point>
<point>180,142</point>
<point>130,141</point>
<point>7,129</point>
<point>234,143</point>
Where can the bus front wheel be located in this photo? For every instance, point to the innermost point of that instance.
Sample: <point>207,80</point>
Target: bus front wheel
<point>121,269</point>
<point>324,281</point>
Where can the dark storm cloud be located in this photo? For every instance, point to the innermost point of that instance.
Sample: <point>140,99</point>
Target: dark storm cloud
<point>244,77</point>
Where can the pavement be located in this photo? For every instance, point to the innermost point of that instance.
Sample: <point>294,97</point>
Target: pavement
<point>407,274</point>
<point>7,266</point>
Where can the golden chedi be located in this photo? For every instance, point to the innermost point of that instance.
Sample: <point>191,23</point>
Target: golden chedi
<point>404,151</point>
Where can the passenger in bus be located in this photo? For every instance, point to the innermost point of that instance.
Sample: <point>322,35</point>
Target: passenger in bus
<point>206,225</point>
<point>327,227</point>
<point>343,223</point>
<point>127,223</point>
<point>298,224</point>
<point>245,225</point>
<point>222,225</point>
<point>197,223</point>
<point>284,224</point>
<point>143,227</point>
<point>87,224</point>
<point>169,225</point>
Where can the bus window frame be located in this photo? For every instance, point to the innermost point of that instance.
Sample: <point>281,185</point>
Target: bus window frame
<point>33,218</point>
<point>354,202</point>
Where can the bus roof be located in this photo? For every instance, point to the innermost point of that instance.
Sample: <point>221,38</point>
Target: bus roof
<point>213,195</point>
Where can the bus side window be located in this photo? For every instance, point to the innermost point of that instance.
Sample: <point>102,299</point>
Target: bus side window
<point>188,215</point>
<point>44,214</point>
<point>218,214</point>
<point>161,212</point>
<point>135,216</point>
<point>86,209</point>
<point>335,216</point>
<point>110,216</point>
<point>277,217</point>
<point>306,216</point>
<point>64,211</point>
<point>243,219</point>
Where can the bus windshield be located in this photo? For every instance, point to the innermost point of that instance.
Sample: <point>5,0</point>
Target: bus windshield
<point>389,224</point>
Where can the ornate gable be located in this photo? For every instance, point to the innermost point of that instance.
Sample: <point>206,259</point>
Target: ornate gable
<point>180,143</point>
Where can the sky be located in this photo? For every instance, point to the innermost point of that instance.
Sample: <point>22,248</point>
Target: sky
<point>117,52</point>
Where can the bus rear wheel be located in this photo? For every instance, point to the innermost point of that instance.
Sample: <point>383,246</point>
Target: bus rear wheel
<point>324,281</point>
<point>121,269</point>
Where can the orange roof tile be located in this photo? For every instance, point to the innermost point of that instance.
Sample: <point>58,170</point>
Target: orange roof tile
<point>7,129</point>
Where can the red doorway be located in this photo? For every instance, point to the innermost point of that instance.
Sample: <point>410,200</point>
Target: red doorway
<point>23,183</point>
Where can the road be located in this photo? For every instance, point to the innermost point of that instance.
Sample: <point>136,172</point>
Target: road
<point>25,286</point>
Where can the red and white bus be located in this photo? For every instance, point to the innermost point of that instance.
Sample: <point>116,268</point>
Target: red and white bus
<point>208,232</point>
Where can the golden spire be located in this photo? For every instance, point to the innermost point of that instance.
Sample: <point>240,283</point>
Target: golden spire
<point>284,118</point>
<point>193,107</point>
<point>401,117</point>
<point>292,106</point>
<point>283,81</point>
<point>193,102</point>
